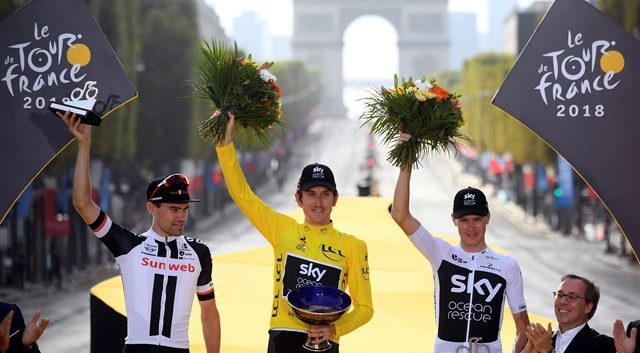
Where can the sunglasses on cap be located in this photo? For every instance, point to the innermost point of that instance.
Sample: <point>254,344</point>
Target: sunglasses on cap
<point>169,181</point>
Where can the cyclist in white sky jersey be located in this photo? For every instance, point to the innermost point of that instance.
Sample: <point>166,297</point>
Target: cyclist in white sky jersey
<point>471,280</point>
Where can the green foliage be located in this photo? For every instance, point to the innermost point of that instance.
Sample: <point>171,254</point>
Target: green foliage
<point>490,128</point>
<point>426,111</point>
<point>7,7</point>
<point>625,12</point>
<point>235,84</point>
<point>301,87</point>
<point>115,140</point>
<point>168,37</point>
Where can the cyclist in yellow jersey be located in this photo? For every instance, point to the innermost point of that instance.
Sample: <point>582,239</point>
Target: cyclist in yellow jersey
<point>311,253</point>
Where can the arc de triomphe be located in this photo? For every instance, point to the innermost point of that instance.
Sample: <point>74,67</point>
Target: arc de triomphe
<point>318,29</point>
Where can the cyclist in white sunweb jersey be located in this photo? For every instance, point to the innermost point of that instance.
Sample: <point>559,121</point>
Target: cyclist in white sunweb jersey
<point>161,269</point>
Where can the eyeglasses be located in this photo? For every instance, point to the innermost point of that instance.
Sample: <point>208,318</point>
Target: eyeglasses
<point>169,181</point>
<point>571,298</point>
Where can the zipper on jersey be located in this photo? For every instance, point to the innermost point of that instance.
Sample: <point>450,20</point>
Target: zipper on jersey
<point>165,283</point>
<point>471,281</point>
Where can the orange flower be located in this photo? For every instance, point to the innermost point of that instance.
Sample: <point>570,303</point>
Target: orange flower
<point>441,93</point>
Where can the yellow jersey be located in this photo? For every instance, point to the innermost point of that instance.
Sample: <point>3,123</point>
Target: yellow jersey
<point>303,255</point>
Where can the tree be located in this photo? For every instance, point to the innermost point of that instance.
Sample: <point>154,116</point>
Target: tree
<point>7,7</point>
<point>491,128</point>
<point>625,12</point>
<point>119,19</point>
<point>169,35</point>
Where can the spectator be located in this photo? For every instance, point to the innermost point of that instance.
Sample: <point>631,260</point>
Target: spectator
<point>575,303</point>
<point>15,336</point>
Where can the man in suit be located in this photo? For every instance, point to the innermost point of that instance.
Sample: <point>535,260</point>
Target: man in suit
<point>626,342</point>
<point>575,303</point>
<point>15,336</point>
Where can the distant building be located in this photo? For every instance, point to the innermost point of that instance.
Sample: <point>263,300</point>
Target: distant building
<point>209,23</point>
<point>281,48</point>
<point>463,36</point>
<point>520,24</point>
<point>498,10</point>
<point>251,33</point>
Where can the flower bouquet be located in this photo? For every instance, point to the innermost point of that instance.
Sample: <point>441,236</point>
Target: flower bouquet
<point>424,110</point>
<point>238,85</point>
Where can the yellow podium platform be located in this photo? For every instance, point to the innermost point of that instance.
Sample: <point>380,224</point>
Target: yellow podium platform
<point>401,280</point>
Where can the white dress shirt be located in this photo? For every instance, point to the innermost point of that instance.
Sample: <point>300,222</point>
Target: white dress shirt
<point>564,339</point>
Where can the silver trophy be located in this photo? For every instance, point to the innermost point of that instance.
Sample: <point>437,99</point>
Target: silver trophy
<point>317,305</point>
<point>474,346</point>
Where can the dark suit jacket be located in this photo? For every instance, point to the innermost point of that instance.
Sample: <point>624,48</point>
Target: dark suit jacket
<point>589,340</point>
<point>17,324</point>
<point>631,325</point>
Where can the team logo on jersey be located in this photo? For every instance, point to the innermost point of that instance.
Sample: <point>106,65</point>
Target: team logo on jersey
<point>484,287</point>
<point>150,249</point>
<point>301,271</point>
<point>196,240</point>
<point>458,259</point>
<point>185,252</point>
<point>171,266</point>
<point>330,253</point>
<point>365,273</point>
<point>279,268</point>
<point>302,246</point>
<point>469,300</point>
<point>490,267</point>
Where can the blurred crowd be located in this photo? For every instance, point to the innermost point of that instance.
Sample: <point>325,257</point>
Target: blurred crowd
<point>555,195</point>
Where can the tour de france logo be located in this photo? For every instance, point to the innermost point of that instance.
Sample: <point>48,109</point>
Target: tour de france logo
<point>46,60</point>
<point>584,68</point>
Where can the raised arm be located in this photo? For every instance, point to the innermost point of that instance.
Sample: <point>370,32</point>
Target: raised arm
<point>400,207</point>
<point>82,201</point>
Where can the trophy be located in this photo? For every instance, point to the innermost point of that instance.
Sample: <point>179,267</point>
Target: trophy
<point>81,103</point>
<point>474,346</point>
<point>317,305</point>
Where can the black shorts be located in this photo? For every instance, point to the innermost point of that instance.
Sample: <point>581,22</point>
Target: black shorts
<point>291,342</point>
<point>151,348</point>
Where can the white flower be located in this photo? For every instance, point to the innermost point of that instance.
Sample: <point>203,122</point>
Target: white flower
<point>423,85</point>
<point>266,76</point>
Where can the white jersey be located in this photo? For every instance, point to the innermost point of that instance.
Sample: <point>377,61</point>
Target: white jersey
<point>470,289</point>
<point>160,276</point>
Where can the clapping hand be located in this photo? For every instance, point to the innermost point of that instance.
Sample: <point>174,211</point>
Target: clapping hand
<point>34,329</point>
<point>539,337</point>
<point>5,327</point>
<point>623,343</point>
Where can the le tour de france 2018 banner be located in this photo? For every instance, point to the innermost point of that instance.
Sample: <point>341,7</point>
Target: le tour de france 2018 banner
<point>576,85</point>
<point>53,54</point>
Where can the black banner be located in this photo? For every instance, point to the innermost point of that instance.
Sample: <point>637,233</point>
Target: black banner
<point>53,52</point>
<point>576,85</point>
